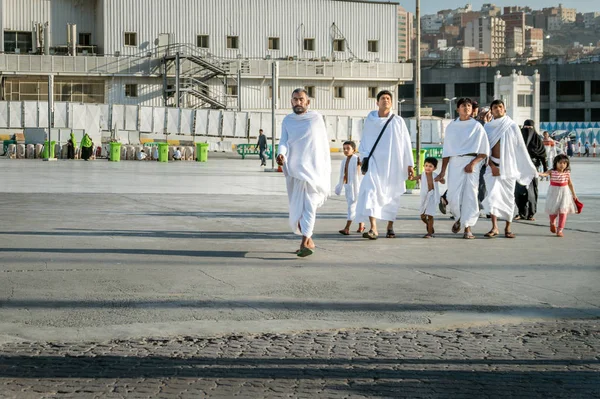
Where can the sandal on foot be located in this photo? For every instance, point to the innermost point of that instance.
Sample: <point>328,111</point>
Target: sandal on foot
<point>456,227</point>
<point>468,236</point>
<point>560,234</point>
<point>304,252</point>
<point>360,230</point>
<point>344,232</point>
<point>370,235</point>
<point>531,219</point>
<point>442,206</point>
<point>553,229</point>
<point>428,236</point>
<point>491,234</point>
<point>390,234</point>
<point>509,234</point>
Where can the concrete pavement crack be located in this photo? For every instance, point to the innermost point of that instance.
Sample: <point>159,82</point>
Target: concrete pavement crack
<point>216,279</point>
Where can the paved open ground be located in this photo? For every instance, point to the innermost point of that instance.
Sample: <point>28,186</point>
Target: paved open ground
<point>159,280</point>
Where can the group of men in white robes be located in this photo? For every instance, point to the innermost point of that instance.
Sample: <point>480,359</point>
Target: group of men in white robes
<point>386,147</point>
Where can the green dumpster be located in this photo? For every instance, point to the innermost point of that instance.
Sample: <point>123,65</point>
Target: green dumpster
<point>163,152</point>
<point>45,151</point>
<point>6,143</point>
<point>411,184</point>
<point>202,152</point>
<point>115,152</point>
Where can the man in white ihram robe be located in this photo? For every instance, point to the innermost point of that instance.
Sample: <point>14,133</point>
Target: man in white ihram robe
<point>390,165</point>
<point>509,163</point>
<point>305,156</point>
<point>465,147</point>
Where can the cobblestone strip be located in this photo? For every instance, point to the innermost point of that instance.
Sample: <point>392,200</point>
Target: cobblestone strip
<point>546,360</point>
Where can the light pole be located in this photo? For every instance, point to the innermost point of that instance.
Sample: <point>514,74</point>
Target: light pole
<point>400,106</point>
<point>449,101</point>
<point>418,87</point>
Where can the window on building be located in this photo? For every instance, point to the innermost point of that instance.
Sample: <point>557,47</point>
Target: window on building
<point>373,92</point>
<point>131,90</point>
<point>338,91</point>
<point>32,89</point>
<point>310,90</point>
<point>233,42</point>
<point>545,115</point>
<point>406,91</point>
<point>470,90</point>
<point>339,45</point>
<point>434,90</point>
<point>271,92</point>
<point>18,42</point>
<point>203,41</point>
<point>373,46</point>
<point>273,43</point>
<point>525,100</point>
<point>309,44</point>
<point>232,90</point>
<point>595,114</point>
<point>85,39</point>
<point>570,88</point>
<point>570,115</point>
<point>130,39</point>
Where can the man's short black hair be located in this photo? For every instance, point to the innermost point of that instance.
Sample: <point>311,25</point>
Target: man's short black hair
<point>383,93</point>
<point>260,130</point>
<point>497,102</point>
<point>475,104</point>
<point>464,100</point>
<point>431,160</point>
<point>351,144</point>
<point>300,90</point>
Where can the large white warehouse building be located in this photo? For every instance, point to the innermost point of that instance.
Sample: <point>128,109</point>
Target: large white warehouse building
<point>201,53</point>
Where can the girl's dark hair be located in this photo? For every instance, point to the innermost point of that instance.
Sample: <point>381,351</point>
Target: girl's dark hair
<point>561,157</point>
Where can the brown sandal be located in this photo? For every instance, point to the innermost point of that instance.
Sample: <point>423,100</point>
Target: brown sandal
<point>468,236</point>
<point>456,227</point>
<point>344,232</point>
<point>491,234</point>
<point>370,235</point>
<point>509,234</point>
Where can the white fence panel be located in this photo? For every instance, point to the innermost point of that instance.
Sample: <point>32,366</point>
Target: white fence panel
<point>118,117</point>
<point>30,112</point>
<point>158,120</point>
<point>214,123</point>
<point>145,119</point>
<point>241,124</point>
<point>93,113</point>
<point>201,122</point>
<point>131,117</point>
<point>43,114</point>
<point>79,116</point>
<point>278,123</point>
<point>15,109</point>
<point>342,128</point>
<point>187,121</point>
<point>173,120</point>
<point>105,117</point>
<point>265,124</point>
<point>228,124</point>
<point>331,126</point>
<point>61,115</point>
<point>4,114</point>
<point>357,128</point>
<point>255,124</point>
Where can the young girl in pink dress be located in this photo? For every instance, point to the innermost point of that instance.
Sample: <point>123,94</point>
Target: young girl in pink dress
<point>560,200</point>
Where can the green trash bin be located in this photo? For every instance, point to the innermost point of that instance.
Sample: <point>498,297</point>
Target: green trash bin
<point>45,151</point>
<point>115,152</point>
<point>163,152</point>
<point>202,152</point>
<point>411,184</point>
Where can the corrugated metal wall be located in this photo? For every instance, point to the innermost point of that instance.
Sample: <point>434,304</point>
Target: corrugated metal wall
<point>254,21</point>
<point>255,94</point>
<point>21,14</point>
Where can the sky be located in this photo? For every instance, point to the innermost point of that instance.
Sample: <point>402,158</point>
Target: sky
<point>432,6</point>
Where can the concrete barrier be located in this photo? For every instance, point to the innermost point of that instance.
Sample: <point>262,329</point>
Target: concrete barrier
<point>30,151</point>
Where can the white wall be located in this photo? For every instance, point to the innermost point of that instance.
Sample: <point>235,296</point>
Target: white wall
<point>254,22</point>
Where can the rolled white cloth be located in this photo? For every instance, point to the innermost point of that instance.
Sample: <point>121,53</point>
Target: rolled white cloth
<point>384,183</point>
<point>307,168</point>
<point>500,198</point>
<point>462,190</point>
<point>351,208</point>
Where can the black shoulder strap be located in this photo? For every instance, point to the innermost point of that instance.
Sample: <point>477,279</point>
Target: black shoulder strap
<point>381,134</point>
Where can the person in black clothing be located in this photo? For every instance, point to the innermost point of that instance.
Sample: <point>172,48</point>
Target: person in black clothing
<point>262,147</point>
<point>526,197</point>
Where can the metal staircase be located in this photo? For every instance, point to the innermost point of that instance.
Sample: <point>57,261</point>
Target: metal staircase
<point>189,76</point>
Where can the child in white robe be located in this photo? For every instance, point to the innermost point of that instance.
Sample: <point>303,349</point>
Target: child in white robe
<point>349,182</point>
<point>430,194</point>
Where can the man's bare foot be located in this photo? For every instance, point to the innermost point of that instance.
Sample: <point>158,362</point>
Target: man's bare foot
<point>345,232</point>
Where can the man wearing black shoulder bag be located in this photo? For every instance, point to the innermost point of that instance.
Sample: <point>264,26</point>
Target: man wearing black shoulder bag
<point>387,162</point>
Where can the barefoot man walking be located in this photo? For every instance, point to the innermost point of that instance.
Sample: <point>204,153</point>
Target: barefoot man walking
<point>465,147</point>
<point>306,160</point>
